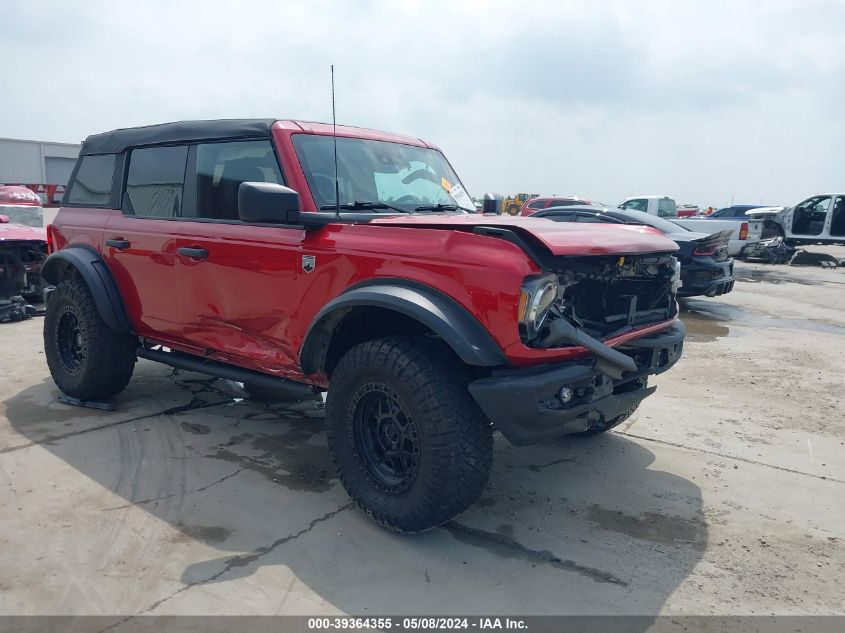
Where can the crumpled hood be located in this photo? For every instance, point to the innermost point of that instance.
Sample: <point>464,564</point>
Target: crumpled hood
<point>561,238</point>
<point>22,232</point>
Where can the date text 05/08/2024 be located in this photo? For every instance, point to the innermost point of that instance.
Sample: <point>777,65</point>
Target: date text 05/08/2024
<point>419,623</point>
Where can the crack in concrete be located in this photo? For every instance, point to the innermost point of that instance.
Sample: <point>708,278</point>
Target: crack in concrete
<point>507,547</point>
<point>538,467</point>
<point>242,560</point>
<point>733,457</point>
<point>173,494</point>
<point>193,405</point>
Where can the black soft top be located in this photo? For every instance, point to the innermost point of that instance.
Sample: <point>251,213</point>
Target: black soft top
<point>117,141</point>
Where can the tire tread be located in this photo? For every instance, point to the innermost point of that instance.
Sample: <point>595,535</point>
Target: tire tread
<point>110,356</point>
<point>458,437</point>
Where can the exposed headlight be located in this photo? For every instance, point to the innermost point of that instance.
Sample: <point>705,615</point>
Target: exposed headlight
<point>535,299</point>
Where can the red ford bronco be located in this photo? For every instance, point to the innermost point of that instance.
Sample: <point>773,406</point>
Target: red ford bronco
<point>282,256</point>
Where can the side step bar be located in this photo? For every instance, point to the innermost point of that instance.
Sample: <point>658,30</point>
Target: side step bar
<point>215,368</point>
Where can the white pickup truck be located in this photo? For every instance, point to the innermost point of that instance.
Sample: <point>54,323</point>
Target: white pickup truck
<point>744,232</point>
<point>820,219</point>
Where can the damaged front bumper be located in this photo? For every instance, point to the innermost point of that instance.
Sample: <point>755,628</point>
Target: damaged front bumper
<point>540,403</point>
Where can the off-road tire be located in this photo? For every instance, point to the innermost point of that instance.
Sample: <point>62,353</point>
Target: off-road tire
<point>104,359</point>
<point>513,209</point>
<point>606,425</point>
<point>455,448</point>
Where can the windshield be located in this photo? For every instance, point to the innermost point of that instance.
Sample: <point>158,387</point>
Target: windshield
<point>664,226</point>
<point>28,216</point>
<point>378,171</point>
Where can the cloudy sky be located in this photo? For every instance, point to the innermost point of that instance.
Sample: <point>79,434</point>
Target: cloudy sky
<point>706,101</point>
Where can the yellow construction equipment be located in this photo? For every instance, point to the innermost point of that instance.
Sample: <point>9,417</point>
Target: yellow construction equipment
<point>514,204</point>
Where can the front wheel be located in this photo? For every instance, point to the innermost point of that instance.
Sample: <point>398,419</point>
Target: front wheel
<point>410,444</point>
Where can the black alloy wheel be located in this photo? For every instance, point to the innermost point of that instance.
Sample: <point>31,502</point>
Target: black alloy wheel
<point>70,342</point>
<point>386,436</point>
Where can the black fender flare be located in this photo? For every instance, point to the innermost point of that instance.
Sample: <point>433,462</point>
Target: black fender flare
<point>96,274</point>
<point>437,311</point>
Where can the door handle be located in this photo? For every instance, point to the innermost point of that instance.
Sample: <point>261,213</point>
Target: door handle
<point>119,243</point>
<point>196,253</point>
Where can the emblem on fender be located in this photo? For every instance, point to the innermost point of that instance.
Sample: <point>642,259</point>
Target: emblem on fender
<point>309,263</point>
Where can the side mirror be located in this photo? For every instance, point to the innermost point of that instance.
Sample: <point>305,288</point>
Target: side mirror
<point>492,204</point>
<point>4,219</point>
<point>266,202</point>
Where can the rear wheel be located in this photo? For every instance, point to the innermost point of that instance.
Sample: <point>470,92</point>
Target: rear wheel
<point>87,359</point>
<point>410,444</point>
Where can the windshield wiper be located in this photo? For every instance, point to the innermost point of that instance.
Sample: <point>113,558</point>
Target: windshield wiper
<point>437,207</point>
<point>362,206</point>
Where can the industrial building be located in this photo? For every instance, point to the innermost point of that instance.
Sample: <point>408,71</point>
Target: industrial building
<point>42,166</point>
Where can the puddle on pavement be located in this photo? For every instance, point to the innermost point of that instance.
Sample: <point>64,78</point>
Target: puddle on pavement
<point>703,328</point>
<point>650,526</point>
<point>206,533</point>
<point>774,277</point>
<point>708,321</point>
<point>287,459</point>
<point>196,429</point>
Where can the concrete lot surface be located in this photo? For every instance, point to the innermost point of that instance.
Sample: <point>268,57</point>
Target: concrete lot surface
<point>723,494</point>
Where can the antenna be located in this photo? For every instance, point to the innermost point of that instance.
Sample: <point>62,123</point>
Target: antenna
<point>334,137</point>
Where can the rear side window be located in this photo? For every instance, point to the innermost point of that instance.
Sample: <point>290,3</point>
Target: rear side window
<point>666,208</point>
<point>559,217</point>
<point>92,185</point>
<point>222,167</point>
<point>156,181</point>
<point>587,217</point>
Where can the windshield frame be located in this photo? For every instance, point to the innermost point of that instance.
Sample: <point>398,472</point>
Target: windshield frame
<point>446,172</point>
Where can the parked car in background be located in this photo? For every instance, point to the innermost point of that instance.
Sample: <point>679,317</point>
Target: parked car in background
<point>818,219</point>
<point>661,206</point>
<point>766,215</point>
<point>688,210</point>
<point>535,204</point>
<point>733,212</point>
<point>706,267</point>
<point>743,235</point>
<point>21,205</point>
<point>23,249</point>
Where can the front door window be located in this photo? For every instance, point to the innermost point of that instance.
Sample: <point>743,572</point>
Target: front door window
<point>222,167</point>
<point>639,204</point>
<point>809,216</point>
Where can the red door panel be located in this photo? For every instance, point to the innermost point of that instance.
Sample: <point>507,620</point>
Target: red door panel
<point>239,298</point>
<point>145,270</point>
